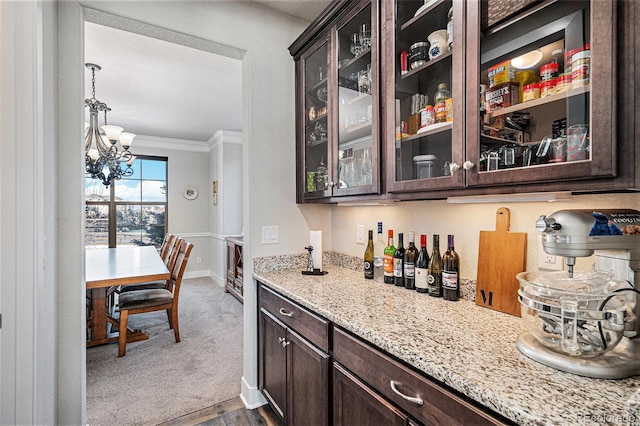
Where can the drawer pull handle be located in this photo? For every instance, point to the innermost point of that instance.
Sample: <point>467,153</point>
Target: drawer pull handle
<point>285,313</point>
<point>413,399</point>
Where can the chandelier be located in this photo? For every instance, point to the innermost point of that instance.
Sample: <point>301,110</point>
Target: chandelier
<point>106,148</point>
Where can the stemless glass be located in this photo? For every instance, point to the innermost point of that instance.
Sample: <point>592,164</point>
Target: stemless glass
<point>365,36</point>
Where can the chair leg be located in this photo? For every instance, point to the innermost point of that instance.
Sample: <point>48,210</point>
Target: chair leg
<point>122,338</point>
<point>176,329</point>
<point>170,318</point>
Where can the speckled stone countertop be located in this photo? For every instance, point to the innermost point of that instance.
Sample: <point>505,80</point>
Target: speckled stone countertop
<point>470,348</point>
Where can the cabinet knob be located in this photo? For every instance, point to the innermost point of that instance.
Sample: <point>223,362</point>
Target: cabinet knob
<point>283,342</point>
<point>332,184</point>
<point>413,399</point>
<point>468,165</point>
<point>454,167</point>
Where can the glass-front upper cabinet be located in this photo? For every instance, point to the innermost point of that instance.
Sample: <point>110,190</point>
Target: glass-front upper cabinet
<point>356,159</point>
<point>424,92</point>
<point>540,100</point>
<point>315,130</point>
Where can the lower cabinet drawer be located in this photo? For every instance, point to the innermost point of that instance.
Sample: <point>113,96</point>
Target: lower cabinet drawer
<point>311,326</point>
<point>424,399</point>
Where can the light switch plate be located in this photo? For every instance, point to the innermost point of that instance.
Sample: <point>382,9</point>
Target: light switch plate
<point>360,234</point>
<point>269,235</point>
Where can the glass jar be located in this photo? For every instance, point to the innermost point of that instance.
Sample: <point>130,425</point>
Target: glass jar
<point>531,92</point>
<point>580,64</point>
<point>525,78</point>
<point>442,96</point>
<point>419,54</point>
<point>549,71</point>
<point>547,88</point>
<point>563,83</point>
<point>425,165</point>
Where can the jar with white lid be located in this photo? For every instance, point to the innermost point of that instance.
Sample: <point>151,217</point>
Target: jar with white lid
<point>425,166</point>
<point>580,69</point>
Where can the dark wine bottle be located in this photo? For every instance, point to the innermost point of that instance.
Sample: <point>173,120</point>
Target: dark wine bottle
<point>450,272</point>
<point>434,279</point>
<point>398,262</point>
<point>422,266</point>
<point>410,257</point>
<point>389,252</point>
<point>368,258</point>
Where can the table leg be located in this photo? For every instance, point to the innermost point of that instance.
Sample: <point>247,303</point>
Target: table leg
<point>100,318</point>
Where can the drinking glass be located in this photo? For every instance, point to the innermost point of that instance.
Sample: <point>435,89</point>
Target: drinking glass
<point>356,45</point>
<point>365,36</point>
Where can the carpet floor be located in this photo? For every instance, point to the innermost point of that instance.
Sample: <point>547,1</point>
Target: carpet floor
<point>159,379</point>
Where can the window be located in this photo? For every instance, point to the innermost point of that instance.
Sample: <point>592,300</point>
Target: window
<point>130,211</point>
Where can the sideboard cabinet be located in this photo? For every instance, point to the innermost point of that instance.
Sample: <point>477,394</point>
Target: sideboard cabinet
<point>485,97</point>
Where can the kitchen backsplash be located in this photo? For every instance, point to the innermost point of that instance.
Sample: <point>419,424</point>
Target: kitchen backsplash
<point>299,261</point>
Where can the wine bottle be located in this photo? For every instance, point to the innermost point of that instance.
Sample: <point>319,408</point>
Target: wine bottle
<point>422,266</point>
<point>410,256</point>
<point>450,272</point>
<point>398,262</point>
<point>434,279</point>
<point>378,256</point>
<point>368,258</point>
<point>389,252</point>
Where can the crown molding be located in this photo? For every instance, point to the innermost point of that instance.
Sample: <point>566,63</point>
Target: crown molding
<point>224,136</point>
<point>156,142</point>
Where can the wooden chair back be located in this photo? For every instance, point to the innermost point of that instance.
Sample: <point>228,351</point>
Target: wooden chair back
<point>167,246</point>
<point>180,264</point>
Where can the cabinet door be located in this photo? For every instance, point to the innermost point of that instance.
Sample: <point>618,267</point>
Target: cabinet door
<point>355,403</point>
<point>308,380</point>
<point>423,94</point>
<point>273,362</point>
<point>313,122</point>
<point>356,159</point>
<point>565,128</point>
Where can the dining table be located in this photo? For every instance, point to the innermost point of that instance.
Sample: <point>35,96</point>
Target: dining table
<point>108,268</point>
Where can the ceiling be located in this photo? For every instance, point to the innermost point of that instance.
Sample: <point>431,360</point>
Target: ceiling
<point>161,89</point>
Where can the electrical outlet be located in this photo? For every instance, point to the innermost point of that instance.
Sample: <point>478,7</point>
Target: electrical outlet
<point>548,261</point>
<point>360,234</point>
<point>199,259</point>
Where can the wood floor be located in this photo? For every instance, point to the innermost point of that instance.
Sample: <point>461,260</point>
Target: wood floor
<point>228,413</point>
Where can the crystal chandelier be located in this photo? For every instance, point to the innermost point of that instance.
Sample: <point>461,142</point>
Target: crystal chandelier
<point>106,150</point>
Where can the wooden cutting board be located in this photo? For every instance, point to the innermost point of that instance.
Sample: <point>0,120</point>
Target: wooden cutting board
<point>501,255</point>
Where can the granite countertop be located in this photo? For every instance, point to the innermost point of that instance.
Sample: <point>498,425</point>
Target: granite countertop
<point>470,348</point>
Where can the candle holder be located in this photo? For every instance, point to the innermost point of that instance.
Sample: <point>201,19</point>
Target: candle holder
<point>310,269</point>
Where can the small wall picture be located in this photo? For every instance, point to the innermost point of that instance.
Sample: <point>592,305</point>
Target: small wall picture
<point>215,199</point>
<point>214,186</point>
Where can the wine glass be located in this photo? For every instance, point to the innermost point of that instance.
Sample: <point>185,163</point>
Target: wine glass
<point>365,36</point>
<point>356,45</point>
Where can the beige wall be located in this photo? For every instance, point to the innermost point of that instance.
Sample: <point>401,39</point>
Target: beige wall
<point>464,221</point>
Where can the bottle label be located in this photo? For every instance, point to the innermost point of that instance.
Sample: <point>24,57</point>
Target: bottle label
<point>434,284</point>
<point>421,278</point>
<point>368,269</point>
<point>450,280</point>
<point>409,270</point>
<point>378,261</point>
<point>397,268</point>
<point>388,265</point>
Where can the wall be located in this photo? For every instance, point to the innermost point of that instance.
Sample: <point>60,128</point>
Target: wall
<point>465,221</point>
<point>188,218</point>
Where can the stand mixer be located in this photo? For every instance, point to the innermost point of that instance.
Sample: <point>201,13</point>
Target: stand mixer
<point>565,320</point>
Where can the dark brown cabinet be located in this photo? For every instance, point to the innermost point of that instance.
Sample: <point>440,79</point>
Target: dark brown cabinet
<point>234,281</point>
<point>356,403</point>
<point>575,132</point>
<point>337,91</point>
<point>293,371</point>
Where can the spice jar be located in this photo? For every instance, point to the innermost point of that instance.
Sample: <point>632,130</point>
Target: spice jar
<point>549,71</point>
<point>427,116</point>
<point>547,88</point>
<point>563,82</point>
<point>568,58</point>
<point>580,64</point>
<point>419,54</point>
<point>531,92</point>
<point>525,78</point>
<point>441,97</point>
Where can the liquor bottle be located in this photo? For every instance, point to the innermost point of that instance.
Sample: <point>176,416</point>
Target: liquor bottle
<point>434,279</point>
<point>398,262</point>
<point>378,256</point>
<point>422,266</point>
<point>368,258</point>
<point>389,252</point>
<point>450,272</point>
<point>410,257</point>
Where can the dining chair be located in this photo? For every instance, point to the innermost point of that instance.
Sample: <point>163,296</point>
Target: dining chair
<point>170,260</point>
<point>150,300</point>
<point>167,246</point>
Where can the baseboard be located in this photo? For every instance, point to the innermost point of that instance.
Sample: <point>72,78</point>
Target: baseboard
<point>197,274</point>
<point>251,396</point>
<point>217,279</point>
